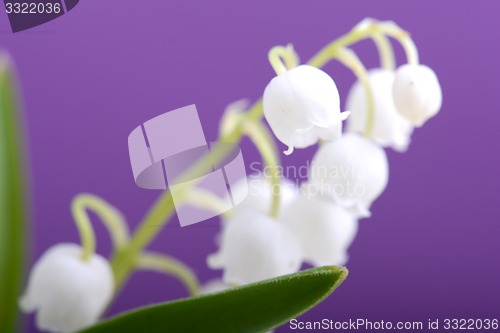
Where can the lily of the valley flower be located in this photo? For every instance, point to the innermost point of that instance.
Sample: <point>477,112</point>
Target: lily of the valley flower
<point>390,129</point>
<point>351,171</point>
<point>417,93</point>
<point>255,247</point>
<point>68,293</point>
<point>302,106</point>
<point>325,230</point>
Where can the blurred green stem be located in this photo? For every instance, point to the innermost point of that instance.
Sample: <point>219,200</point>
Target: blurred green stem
<point>266,146</point>
<point>14,197</point>
<point>385,51</point>
<point>283,58</point>
<point>110,216</point>
<point>349,59</point>
<point>171,266</point>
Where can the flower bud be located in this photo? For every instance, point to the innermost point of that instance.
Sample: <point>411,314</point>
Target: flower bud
<point>390,129</point>
<point>417,93</point>
<point>302,105</point>
<point>325,230</point>
<point>351,171</point>
<point>68,293</point>
<point>255,247</point>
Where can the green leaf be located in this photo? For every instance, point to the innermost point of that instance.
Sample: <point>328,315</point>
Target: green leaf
<point>253,308</point>
<point>13,201</point>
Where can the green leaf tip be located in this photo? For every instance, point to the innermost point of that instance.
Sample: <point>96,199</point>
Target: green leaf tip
<point>257,307</point>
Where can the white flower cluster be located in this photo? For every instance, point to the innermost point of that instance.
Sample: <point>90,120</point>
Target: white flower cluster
<point>404,99</point>
<point>255,247</point>
<point>319,221</point>
<point>71,286</point>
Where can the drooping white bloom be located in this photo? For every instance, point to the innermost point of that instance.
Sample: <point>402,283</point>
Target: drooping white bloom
<point>417,93</point>
<point>326,230</point>
<point>255,247</point>
<point>390,129</point>
<point>351,171</point>
<point>68,293</point>
<point>302,105</point>
<point>260,192</point>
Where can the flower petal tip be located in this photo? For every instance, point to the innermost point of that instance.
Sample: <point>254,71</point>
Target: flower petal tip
<point>344,115</point>
<point>289,151</point>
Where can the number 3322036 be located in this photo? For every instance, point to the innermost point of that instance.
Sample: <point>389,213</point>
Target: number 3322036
<point>32,8</point>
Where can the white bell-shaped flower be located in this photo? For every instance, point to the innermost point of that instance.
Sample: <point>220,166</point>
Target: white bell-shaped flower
<point>255,247</point>
<point>351,171</point>
<point>68,293</point>
<point>260,192</point>
<point>302,106</point>
<point>390,129</point>
<point>326,230</point>
<point>417,93</point>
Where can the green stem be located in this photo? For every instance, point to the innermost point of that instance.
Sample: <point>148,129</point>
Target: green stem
<point>156,218</point>
<point>283,58</point>
<point>110,216</point>
<point>349,59</point>
<point>171,266</point>
<point>162,210</point>
<point>385,51</point>
<point>207,200</point>
<point>367,30</point>
<point>266,146</point>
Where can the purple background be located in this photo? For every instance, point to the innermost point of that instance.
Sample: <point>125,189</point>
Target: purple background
<point>431,249</point>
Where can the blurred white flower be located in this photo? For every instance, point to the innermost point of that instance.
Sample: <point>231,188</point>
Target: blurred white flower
<point>325,230</point>
<point>417,93</point>
<point>68,293</point>
<point>390,129</point>
<point>302,106</point>
<point>351,171</point>
<point>260,192</point>
<point>255,247</point>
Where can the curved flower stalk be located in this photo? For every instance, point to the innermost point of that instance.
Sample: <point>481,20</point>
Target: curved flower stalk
<point>170,266</point>
<point>112,218</point>
<point>325,230</point>
<point>235,116</point>
<point>352,172</point>
<point>385,51</point>
<point>390,129</point>
<point>68,292</point>
<point>255,247</point>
